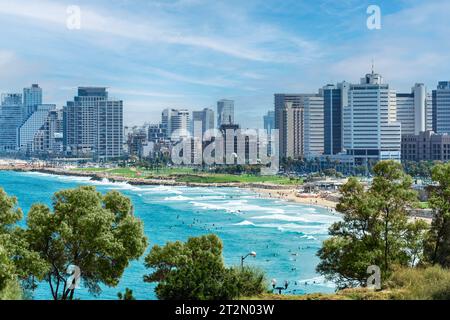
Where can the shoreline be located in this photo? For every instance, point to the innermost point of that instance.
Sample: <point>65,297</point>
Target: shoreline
<point>290,195</point>
<point>273,191</point>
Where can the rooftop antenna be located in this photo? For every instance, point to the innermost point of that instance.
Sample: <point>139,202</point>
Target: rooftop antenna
<point>373,68</point>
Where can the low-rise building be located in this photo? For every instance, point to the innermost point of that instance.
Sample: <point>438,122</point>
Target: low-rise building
<point>426,146</point>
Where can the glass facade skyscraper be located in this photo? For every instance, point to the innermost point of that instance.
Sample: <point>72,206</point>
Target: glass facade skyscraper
<point>32,97</point>
<point>269,121</point>
<point>11,118</point>
<point>334,97</point>
<point>225,112</point>
<point>441,108</point>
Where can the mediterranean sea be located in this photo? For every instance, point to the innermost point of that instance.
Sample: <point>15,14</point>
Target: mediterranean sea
<point>286,236</point>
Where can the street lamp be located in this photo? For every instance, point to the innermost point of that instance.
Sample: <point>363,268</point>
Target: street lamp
<point>253,254</point>
<point>274,285</point>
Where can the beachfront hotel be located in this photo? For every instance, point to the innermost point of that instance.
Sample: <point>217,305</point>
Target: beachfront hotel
<point>371,129</point>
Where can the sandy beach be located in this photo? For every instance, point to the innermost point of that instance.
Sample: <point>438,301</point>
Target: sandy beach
<point>291,194</point>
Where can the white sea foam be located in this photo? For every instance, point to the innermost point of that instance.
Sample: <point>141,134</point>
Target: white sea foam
<point>163,190</point>
<point>320,280</point>
<point>177,198</point>
<point>196,197</point>
<point>302,229</point>
<point>281,217</point>
<point>236,206</point>
<point>244,223</point>
<point>308,237</point>
<point>215,207</point>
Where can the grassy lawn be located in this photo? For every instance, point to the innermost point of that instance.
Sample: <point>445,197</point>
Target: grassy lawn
<point>348,294</point>
<point>189,176</point>
<point>430,283</point>
<point>423,205</point>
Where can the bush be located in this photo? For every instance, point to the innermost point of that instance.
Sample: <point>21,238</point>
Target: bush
<point>248,281</point>
<point>432,283</point>
<point>195,270</point>
<point>11,291</point>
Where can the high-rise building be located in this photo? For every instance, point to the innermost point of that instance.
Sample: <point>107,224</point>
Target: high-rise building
<point>49,139</point>
<point>299,119</point>
<point>313,125</point>
<point>290,125</point>
<point>225,112</point>
<point>335,98</point>
<point>371,132</point>
<point>11,117</point>
<point>53,132</point>
<point>414,110</point>
<point>93,125</point>
<point>206,117</point>
<point>289,122</point>
<point>176,123</point>
<point>32,97</point>
<point>269,121</point>
<point>441,107</point>
<point>28,129</point>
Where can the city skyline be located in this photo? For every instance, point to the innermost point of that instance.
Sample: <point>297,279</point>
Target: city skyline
<point>242,52</point>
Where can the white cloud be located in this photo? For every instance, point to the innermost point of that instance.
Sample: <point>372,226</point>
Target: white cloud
<point>412,46</point>
<point>154,29</point>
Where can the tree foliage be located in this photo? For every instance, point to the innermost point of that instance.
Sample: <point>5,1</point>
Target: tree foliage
<point>98,234</point>
<point>375,229</point>
<point>17,261</point>
<point>127,295</point>
<point>195,271</point>
<point>437,248</point>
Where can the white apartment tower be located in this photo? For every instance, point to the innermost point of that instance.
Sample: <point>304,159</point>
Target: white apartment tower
<point>313,125</point>
<point>414,110</point>
<point>176,123</point>
<point>371,129</point>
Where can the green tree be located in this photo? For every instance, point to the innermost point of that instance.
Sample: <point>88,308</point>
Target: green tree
<point>128,295</point>
<point>17,261</point>
<point>7,269</point>
<point>437,247</point>
<point>98,234</point>
<point>195,271</point>
<point>374,230</point>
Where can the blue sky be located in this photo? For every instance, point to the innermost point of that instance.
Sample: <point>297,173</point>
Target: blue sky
<point>156,54</point>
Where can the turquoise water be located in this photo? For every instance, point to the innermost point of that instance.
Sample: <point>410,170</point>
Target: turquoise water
<point>285,236</point>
